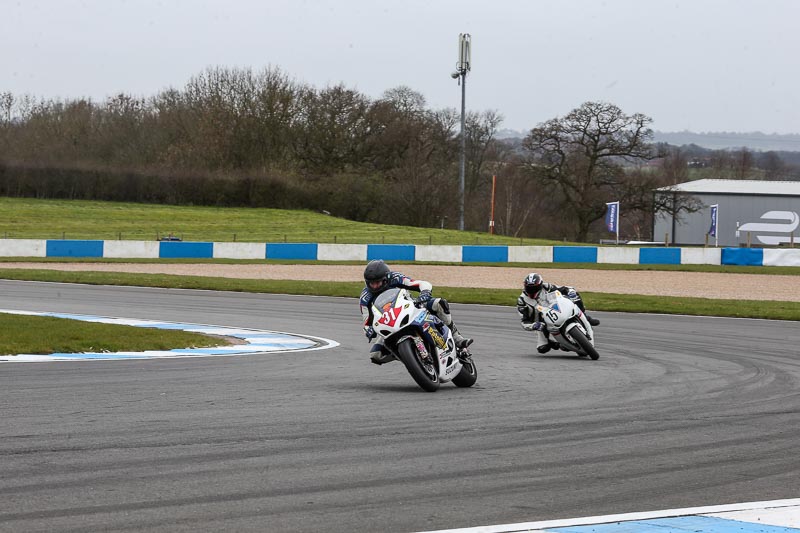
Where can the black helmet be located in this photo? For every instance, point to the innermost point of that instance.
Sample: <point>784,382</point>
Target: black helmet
<point>376,275</point>
<point>532,285</point>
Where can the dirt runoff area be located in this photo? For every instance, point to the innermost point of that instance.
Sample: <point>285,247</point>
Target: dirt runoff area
<point>657,283</point>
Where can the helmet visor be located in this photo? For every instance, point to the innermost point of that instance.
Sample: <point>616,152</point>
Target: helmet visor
<point>532,290</point>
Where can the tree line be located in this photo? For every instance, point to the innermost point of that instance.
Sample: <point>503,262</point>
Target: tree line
<point>237,137</point>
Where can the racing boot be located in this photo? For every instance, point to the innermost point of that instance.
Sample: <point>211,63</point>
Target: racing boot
<point>462,342</point>
<point>592,321</point>
<point>544,348</point>
<point>380,355</point>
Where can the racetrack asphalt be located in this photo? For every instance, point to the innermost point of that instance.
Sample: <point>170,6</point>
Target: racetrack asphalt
<point>678,412</point>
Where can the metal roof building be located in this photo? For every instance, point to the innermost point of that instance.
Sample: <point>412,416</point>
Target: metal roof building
<point>761,213</point>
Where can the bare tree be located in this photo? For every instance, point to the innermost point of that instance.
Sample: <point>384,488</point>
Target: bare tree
<point>773,165</point>
<point>742,163</point>
<point>480,130</point>
<point>6,104</point>
<point>517,199</point>
<point>582,155</point>
<point>675,167</point>
<point>405,100</point>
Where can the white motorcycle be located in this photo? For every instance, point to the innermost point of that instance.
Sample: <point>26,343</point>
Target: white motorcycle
<point>567,325</point>
<point>421,341</point>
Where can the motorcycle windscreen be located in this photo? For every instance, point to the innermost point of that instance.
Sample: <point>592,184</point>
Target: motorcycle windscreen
<point>386,297</point>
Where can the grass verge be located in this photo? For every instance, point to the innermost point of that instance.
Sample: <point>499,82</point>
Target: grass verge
<point>594,300</point>
<point>45,335</point>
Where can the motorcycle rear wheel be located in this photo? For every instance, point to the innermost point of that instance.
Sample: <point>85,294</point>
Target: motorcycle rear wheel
<point>423,373</point>
<point>584,343</point>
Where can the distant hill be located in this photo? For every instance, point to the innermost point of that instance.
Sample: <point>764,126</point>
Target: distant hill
<point>510,134</point>
<point>755,141</point>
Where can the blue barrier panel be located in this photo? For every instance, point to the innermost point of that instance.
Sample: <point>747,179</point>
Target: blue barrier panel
<point>574,254</point>
<point>659,256</point>
<point>193,250</point>
<point>742,256</point>
<point>484,254</point>
<point>391,252</point>
<point>292,250</point>
<point>67,248</point>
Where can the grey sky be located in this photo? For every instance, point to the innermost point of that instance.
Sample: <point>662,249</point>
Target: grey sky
<point>701,65</point>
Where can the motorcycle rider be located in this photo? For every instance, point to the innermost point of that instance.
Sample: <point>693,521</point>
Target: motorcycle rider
<point>378,277</point>
<point>537,291</point>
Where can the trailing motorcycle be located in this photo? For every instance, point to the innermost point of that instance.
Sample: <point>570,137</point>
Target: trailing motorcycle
<point>421,341</point>
<point>568,326</point>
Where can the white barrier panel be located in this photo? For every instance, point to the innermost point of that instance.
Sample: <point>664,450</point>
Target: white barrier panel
<point>131,249</point>
<point>628,256</point>
<point>447,254</point>
<point>530,254</point>
<point>341,252</point>
<point>23,248</point>
<point>701,256</point>
<point>781,257</point>
<point>240,250</point>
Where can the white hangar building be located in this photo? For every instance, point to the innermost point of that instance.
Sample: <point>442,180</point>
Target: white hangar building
<point>766,212</point>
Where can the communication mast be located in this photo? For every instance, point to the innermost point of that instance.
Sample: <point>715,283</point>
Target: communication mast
<point>463,66</point>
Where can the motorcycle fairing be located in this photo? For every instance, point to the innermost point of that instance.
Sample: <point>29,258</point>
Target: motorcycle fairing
<point>561,320</point>
<point>425,327</point>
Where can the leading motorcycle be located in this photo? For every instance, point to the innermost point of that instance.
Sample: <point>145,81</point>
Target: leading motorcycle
<point>421,341</point>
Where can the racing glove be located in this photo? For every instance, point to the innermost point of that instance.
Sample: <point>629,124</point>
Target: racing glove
<point>424,297</point>
<point>532,326</point>
<point>572,294</point>
<point>370,333</point>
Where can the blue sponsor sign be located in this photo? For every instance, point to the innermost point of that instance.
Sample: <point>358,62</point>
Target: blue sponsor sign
<point>713,230</point>
<point>612,216</point>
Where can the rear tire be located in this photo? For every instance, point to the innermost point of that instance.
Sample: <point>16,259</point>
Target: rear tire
<point>467,376</point>
<point>584,343</point>
<point>424,374</point>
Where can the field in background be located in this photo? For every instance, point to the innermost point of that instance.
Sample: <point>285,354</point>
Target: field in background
<point>28,218</point>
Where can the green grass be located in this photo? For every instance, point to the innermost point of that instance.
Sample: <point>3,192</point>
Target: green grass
<point>508,297</point>
<point>45,335</point>
<point>27,218</point>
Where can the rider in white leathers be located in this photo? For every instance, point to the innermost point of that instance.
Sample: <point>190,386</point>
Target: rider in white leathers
<point>537,291</point>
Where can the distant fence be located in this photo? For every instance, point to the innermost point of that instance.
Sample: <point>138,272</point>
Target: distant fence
<point>398,252</point>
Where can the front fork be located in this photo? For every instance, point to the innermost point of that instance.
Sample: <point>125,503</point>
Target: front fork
<point>420,345</point>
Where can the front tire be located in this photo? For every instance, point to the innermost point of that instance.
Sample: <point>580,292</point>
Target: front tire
<point>582,341</point>
<point>423,373</point>
<point>467,376</point>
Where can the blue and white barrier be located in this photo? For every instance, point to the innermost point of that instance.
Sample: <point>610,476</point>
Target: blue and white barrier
<point>399,252</point>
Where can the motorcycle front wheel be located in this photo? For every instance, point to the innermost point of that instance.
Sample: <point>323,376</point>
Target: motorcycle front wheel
<point>423,372</point>
<point>584,343</point>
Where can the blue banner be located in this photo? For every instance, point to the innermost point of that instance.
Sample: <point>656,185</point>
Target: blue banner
<point>612,216</point>
<point>713,230</point>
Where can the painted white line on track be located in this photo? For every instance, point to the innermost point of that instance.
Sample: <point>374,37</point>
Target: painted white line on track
<point>748,517</point>
<point>254,341</point>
